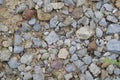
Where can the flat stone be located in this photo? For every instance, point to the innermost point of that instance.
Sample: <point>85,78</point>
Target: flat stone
<point>112,18</point>
<point>81,52</point>
<point>54,22</point>
<point>87,59</point>
<point>18,49</point>
<point>103,22</point>
<point>113,28</point>
<point>99,32</point>
<point>17,39</point>
<point>5,55</point>
<point>80,2</point>
<point>70,67</point>
<point>94,69</point>
<point>3,27</point>
<point>57,5</point>
<point>63,53</point>
<point>78,63</point>
<point>113,45</point>
<point>13,63</point>
<point>108,7</point>
<point>74,57</point>
<point>37,27</point>
<point>52,38</point>
<point>84,33</point>
<point>42,15</point>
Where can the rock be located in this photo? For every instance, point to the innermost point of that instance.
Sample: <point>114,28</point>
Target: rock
<point>69,2</point>
<point>72,50</point>
<point>97,53</point>
<point>103,22</point>
<point>47,8</point>
<point>3,27</point>
<point>42,15</point>
<point>26,58</point>
<point>80,2</point>
<point>110,69</point>
<point>18,49</point>
<point>67,42</point>
<point>13,63</point>
<point>82,52</point>
<point>83,68</point>
<point>57,5</point>
<point>112,18</point>
<point>1,2</point>
<point>1,66</point>
<point>45,56</point>
<point>84,33</point>
<point>117,4</point>
<point>54,22</point>
<point>94,69</point>
<point>74,24</point>
<point>20,8</point>
<point>99,32</point>
<point>113,28</point>
<point>38,2</point>
<point>68,21</point>
<point>5,55</point>
<point>32,21</point>
<point>57,64</point>
<point>68,76</point>
<point>98,5</point>
<point>52,38</point>
<point>74,57</point>
<point>108,7</point>
<point>63,53</point>
<point>37,27</point>
<point>25,27</point>
<point>77,13</point>
<point>27,76</point>
<point>113,45</point>
<point>104,74</point>
<point>28,14</point>
<point>92,45</point>
<point>17,39</point>
<point>78,63</point>
<point>36,42</point>
<point>44,44</point>
<point>99,15</point>
<point>117,71</point>
<point>70,67</point>
<point>88,76</point>
<point>87,59</point>
<point>84,21</point>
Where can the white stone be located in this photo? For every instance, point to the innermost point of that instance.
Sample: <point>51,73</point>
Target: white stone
<point>63,53</point>
<point>80,2</point>
<point>57,5</point>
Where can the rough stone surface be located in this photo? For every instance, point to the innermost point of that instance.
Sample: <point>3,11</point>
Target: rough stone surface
<point>99,32</point>
<point>18,49</point>
<point>5,55</point>
<point>3,27</point>
<point>63,53</point>
<point>13,63</point>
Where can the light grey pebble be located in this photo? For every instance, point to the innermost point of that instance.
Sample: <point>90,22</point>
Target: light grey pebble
<point>74,24</point>
<point>110,69</point>
<point>98,15</point>
<point>74,57</point>
<point>88,76</point>
<point>92,24</point>
<point>117,71</point>
<point>103,22</point>
<point>68,76</point>
<point>25,27</point>
<point>78,63</point>
<point>89,13</point>
<point>84,21</point>
<point>112,18</point>
<point>113,56</point>
<point>52,38</point>
<point>117,78</point>
<point>44,44</point>
<point>65,12</point>
<point>36,42</point>
<point>37,27</point>
<point>61,24</point>
<point>20,8</point>
<point>98,5</point>
<point>1,2</point>
<point>26,58</point>
<point>105,1</point>
<point>87,59</point>
<point>108,7</point>
<point>53,22</point>
<point>53,51</point>
<point>3,27</point>
<point>26,36</point>
<point>38,2</point>
<point>70,67</point>
<point>17,39</point>
<point>94,69</point>
<point>107,78</point>
<point>32,21</point>
<point>47,8</point>
<point>99,32</point>
<point>37,77</point>
<point>13,63</point>
<point>97,53</point>
<point>69,2</point>
<point>113,45</point>
<point>67,42</point>
<point>83,68</point>
<point>72,49</point>
<point>46,2</point>
<point>27,76</point>
<point>5,55</point>
<point>113,28</point>
<point>18,49</point>
<point>81,52</point>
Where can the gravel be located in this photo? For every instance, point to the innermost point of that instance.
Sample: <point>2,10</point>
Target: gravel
<point>3,27</point>
<point>5,55</point>
<point>13,63</point>
<point>70,67</point>
<point>99,32</point>
<point>87,59</point>
<point>18,49</point>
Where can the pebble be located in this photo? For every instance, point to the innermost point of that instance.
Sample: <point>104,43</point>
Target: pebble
<point>57,5</point>
<point>98,5</point>
<point>92,45</point>
<point>32,21</point>
<point>18,49</point>
<point>67,42</point>
<point>25,27</point>
<point>108,7</point>
<point>5,55</point>
<point>69,2</point>
<point>37,27</point>
<point>47,8</point>
<point>88,76</point>
<point>68,21</point>
<point>43,16</point>
<point>103,22</point>
<point>26,58</point>
<point>1,67</point>
<point>68,76</point>
<point>20,8</point>
<point>13,63</point>
<point>113,28</point>
<point>87,59</point>
<point>117,71</point>
<point>97,53</point>
<point>70,68</point>
<point>94,69</point>
<point>72,49</point>
<point>3,27</point>
<point>27,76</point>
<point>99,15</point>
<point>38,2</point>
<point>57,64</point>
<point>99,32</point>
<point>1,2</point>
<point>84,33</point>
<point>104,75</point>
<point>110,69</point>
<point>112,18</point>
<point>74,57</point>
<point>45,56</point>
<point>36,42</point>
<point>63,53</point>
<point>78,63</point>
<point>77,13</point>
<point>52,38</point>
<point>81,52</point>
<point>117,3</point>
<point>17,39</point>
<point>54,22</point>
<point>84,21</point>
<point>80,2</point>
<point>113,45</point>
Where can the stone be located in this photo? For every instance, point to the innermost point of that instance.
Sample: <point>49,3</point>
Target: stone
<point>103,22</point>
<point>36,42</point>
<point>18,49</point>
<point>80,2</point>
<point>92,45</point>
<point>26,58</point>
<point>25,27</point>
<point>113,28</point>
<point>1,66</point>
<point>108,7</point>
<point>5,55</point>
<point>54,22</point>
<point>17,39</point>
<point>57,64</point>
<point>70,67</point>
<point>48,8</point>
<point>68,76</point>
<point>42,15</point>
<point>74,57</point>
<point>67,42</point>
<point>74,24</point>
<point>110,69</point>
<point>68,21</point>
<point>38,2</point>
<point>117,71</point>
<point>78,63</point>
<point>27,76</point>
<point>45,56</point>
<point>99,32</point>
<point>3,27</point>
<point>84,21</point>
<point>83,68</point>
<point>72,49</point>
<point>82,52</point>
<point>94,69</point>
<point>97,53</point>
<point>57,5</point>
<point>20,8</point>
<point>87,59</point>
<point>13,63</point>
<point>88,76</point>
<point>117,3</point>
<point>63,53</point>
<point>112,18</point>
<point>104,74</point>
<point>1,2</point>
<point>84,33</point>
<point>98,15</point>
<point>32,21</point>
<point>28,14</point>
<point>37,27</point>
<point>69,2</point>
<point>98,5</point>
<point>77,13</point>
<point>113,45</point>
<point>52,38</point>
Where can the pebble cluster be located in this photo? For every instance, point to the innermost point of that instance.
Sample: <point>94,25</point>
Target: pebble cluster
<point>59,39</point>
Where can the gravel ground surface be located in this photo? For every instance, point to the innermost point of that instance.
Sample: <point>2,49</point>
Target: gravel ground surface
<point>59,39</point>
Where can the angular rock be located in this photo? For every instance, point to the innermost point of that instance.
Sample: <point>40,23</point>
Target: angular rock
<point>113,45</point>
<point>84,33</point>
<point>74,57</point>
<point>72,49</point>
<point>63,53</point>
<point>70,67</point>
<point>78,63</point>
<point>80,2</point>
<point>5,55</point>
<point>17,39</point>
<point>52,37</point>
<point>47,8</point>
<point>54,22</point>
<point>25,27</point>
<point>87,59</point>
<point>69,2</point>
<point>3,27</point>
<point>99,32</point>
<point>13,63</point>
<point>37,27</point>
<point>108,7</point>
<point>32,21</point>
<point>18,49</point>
<point>36,42</point>
<point>112,18</point>
<point>57,64</point>
<point>57,5</point>
<point>117,3</point>
<point>68,76</point>
<point>103,22</point>
<point>77,13</point>
<point>20,8</point>
<point>68,21</point>
<point>38,2</point>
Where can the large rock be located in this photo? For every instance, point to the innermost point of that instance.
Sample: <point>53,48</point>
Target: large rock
<point>5,55</point>
<point>113,28</point>
<point>113,46</point>
<point>84,33</point>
